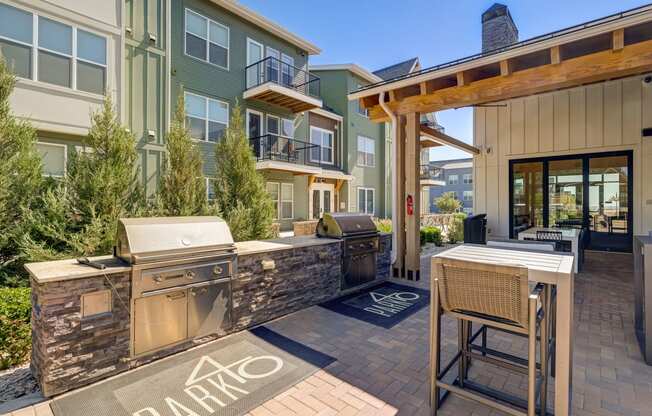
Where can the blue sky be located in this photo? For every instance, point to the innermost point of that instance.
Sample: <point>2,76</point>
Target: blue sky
<point>378,33</point>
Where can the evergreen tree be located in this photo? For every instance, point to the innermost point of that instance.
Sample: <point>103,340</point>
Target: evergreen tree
<point>20,178</point>
<point>182,191</point>
<point>240,189</point>
<point>448,203</point>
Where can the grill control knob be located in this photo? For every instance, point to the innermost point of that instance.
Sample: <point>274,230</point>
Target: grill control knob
<point>190,274</point>
<point>158,279</point>
<point>218,270</point>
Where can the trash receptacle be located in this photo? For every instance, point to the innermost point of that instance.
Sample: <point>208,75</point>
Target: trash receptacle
<point>475,229</point>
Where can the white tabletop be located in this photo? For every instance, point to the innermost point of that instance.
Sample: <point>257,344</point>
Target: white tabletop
<point>533,260</point>
<point>566,233</point>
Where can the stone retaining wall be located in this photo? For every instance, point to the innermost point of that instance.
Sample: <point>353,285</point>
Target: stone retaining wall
<point>69,351</point>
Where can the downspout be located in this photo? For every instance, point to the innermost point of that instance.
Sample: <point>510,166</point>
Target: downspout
<point>392,116</point>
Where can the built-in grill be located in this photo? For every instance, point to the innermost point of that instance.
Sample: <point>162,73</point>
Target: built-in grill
<point>360,245</point>
<point>181,278</point>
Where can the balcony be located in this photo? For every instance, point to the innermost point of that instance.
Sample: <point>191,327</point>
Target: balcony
<point>431,175</point>
<point>274,152</point>
<point>276,82</point>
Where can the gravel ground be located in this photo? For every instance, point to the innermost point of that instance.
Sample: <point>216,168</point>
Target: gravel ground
<point>17,382</point>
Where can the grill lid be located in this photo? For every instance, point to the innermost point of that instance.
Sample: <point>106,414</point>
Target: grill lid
<point>142,239</point>
<point>344,224</point>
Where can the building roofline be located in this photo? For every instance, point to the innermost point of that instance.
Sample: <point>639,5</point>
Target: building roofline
<point>583,30</point>
<point>353,68</point>
<point>274,28</point>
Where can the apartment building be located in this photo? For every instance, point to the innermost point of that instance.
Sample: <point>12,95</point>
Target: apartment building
<point>457,177</point>
<point>66,55</point>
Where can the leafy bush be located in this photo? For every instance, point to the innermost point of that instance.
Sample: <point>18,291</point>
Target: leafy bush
<point>431,235</point>
<point>15,329</point>
<point>383,225</point>
<point>448,203</point>
<point>456,229</point>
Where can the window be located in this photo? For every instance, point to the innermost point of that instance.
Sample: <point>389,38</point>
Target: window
<point>273,125</point>
<point>467,178</point>
<point>206,118</point>
<point>287,201</point>
<point>64,55</point>
<point>467,211</point>
<point>366,151</point>
<point>287,128</point>
<point>210,189</point>
<point>366,200</point>
<point>323,138</point>
<point>454,193</point>
<point>53,157</point>
<point>467,196</point>
<point>453,179</point>
<point>207,40</point>
<point>362,111</point>
<point>287,70</point>
<point>16,33</point>
<point>273,189</point>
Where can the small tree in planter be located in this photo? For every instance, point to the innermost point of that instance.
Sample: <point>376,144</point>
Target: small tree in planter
<point>182,191</point>
<point>20,179</point>
<point>239,189</point>
<point>448,204</point>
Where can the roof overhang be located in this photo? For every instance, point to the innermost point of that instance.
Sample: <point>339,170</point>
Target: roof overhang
<point>613,47</point>
<point>327,114</point>
<point>295,168</point>
<point>276,94</point>
<point>353,68</point>
<point>274,28</point>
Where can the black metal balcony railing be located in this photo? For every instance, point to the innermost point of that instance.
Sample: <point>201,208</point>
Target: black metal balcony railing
<point>429,172</point>
<point>274,70</point>
<point>283,149</point>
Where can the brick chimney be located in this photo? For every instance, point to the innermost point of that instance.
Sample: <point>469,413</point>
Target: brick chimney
<point>498,28</point>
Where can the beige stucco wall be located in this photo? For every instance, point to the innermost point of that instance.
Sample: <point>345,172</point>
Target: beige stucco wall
<point>602,117</point>
<point>58,109</point>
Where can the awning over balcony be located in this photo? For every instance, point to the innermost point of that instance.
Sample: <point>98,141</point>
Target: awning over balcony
<point>279,83</point>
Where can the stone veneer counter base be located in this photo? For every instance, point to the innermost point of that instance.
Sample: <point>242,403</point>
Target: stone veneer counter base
<point>274,278</point>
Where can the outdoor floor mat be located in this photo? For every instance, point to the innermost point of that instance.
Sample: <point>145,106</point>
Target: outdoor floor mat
<point>384,305</point>
<point>225,378</point>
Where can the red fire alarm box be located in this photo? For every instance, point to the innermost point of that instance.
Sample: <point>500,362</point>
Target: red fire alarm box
<point>410,205</point>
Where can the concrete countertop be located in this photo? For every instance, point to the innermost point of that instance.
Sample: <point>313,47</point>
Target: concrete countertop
<point>644,239</point>
<point>68,269</point>
<point>262,246</point>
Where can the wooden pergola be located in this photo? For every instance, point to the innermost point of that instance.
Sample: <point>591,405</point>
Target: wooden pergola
<point>610,48</point>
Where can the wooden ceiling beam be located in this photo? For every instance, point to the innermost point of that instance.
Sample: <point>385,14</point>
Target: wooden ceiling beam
<point>555,55</point>
<point>505,67</point>
<point>618,39</point>
<point>444,139</point>
<point>601,66</point>
<point>461,79</point>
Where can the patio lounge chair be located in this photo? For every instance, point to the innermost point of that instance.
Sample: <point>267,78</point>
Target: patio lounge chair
<point>498,297</point>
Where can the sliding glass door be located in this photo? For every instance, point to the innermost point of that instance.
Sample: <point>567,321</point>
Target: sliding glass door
<point>591,192</point>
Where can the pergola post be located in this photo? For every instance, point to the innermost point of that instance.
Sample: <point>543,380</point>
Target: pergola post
<point>399,197</point>
<point>412,199</point>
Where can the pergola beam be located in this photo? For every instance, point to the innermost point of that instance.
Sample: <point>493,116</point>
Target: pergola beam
<point>630,60</point>
<point>444,139</point>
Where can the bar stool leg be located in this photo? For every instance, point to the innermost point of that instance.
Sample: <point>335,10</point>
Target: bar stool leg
<point>461,366</point>
<point>435,350</point>
<point>484,341</point>
<point>544,346</point>
<point>532,358</point>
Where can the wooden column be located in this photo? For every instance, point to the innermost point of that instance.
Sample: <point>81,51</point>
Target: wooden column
<point>413,191</point>
<point>398,268</point>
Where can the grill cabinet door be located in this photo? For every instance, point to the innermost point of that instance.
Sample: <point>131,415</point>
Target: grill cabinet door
<point>160,320</point>
<point>209,308</point>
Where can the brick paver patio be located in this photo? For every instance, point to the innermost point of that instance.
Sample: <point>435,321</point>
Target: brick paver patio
<point>385,371</point>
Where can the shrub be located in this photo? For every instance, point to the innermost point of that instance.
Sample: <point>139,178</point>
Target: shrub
<point>448,203</point>
<point>15,329</point>
<point>431,235</point>
<point>383,225</point>
<point>456,229</point>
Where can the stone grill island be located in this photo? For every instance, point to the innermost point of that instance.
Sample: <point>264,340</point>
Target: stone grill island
<point>82,316</point>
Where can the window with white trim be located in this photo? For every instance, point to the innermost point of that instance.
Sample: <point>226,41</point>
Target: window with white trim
<point>366,151</point>
<point>287,128</point>
<point>63,54</point>
<point>53,157</point>
<point>206,39</point>
<point>287,201</point>
<point>206,118</point>
<point>323,138</point>
<point>366,199</point>
<point>274,191</point>
<point>467,178</point>
<point>362,111</point>
<point>467,196</point>
<point>453,179</point>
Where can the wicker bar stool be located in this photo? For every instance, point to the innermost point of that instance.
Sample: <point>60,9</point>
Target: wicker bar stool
<point>497,297</point>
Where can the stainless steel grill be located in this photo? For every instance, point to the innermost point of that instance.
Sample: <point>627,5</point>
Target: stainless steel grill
<point>360,245</point>
<point>181,278</point>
